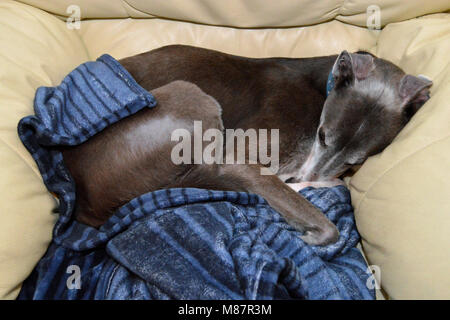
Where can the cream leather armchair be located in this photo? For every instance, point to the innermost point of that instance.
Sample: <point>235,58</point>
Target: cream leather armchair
<point>401,196</point>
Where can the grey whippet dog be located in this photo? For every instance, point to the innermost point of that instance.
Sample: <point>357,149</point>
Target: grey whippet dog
<point>321,135</point>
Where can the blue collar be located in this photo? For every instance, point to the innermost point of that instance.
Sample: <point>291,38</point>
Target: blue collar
<point>330,82</point>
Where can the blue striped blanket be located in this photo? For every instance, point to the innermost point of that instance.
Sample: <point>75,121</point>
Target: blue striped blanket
<point>175,243</point>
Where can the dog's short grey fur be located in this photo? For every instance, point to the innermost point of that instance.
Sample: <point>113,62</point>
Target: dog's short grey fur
<point>320,136</point>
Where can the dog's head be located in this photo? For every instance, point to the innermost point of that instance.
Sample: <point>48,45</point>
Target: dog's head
<point>371,101</point>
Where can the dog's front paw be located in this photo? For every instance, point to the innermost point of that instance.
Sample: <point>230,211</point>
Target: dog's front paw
<point>321,237</point>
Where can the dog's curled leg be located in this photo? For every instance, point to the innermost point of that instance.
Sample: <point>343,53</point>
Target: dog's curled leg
<point>297,211</point>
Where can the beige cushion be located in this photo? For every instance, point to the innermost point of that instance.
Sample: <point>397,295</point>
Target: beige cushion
<point>402,196</point>
<point>35,49</point>
<point>131,36</point>
<point>248,13</point>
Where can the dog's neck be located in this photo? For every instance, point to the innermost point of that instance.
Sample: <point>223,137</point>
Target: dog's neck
<point>315,70</point>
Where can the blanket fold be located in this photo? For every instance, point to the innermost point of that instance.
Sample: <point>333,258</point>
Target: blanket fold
<point>175,243</point>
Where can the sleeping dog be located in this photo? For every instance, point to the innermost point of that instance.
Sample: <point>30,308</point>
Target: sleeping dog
<point>323,132</point>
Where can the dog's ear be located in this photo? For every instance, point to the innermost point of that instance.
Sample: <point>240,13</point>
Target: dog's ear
<point>414,91</point>
<point>351,66</point>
